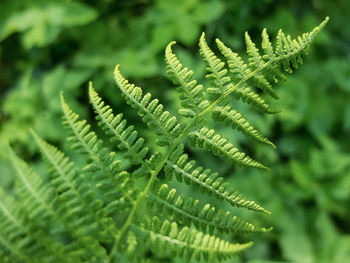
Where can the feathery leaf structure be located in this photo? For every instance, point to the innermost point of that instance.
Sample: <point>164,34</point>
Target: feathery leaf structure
<point>237,121</point>
<point>103,164</point>
<point>222,147</point>
<point>81,206</point>
<point>241,71</point>
<point>21,239</point>
<point>188,171</point>
<point>186,242</point>
<point>93,211</point>
<point>38,201</point>
<point>36,198</point>
<point>192,96</point>
<point>256,62</point>
<point>216,70</point>
<point>116,126</point>
<point>187,211</point>
<point>151,111</point>
<point>13,229</point>
<point>126,136</point>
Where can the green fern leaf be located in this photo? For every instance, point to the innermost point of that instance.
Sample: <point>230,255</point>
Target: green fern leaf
<point>256,62</point>
<point>83,208</point>
<point>37,200</point>
<point>9,252</point>
<point>116,126</point>
<point>250,97</point>
<point>219,146</point>
<point>186,170</point>
<point>241,72</point>
<point>216,69</point>
<point>185,242</point>
<point>187,211</point>
<point>102,164</point>
<point>237,121</point>
<point>151,111</point>
<point>191,95</point>
<point>15,226</point>
<point>12,229</point>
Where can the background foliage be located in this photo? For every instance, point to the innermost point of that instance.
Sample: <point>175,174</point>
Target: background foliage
<point>47,46</point>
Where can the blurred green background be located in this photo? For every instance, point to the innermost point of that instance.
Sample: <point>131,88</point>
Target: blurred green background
<point>48,46</point>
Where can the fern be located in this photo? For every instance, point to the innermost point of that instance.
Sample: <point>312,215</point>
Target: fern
<point>96,211</point>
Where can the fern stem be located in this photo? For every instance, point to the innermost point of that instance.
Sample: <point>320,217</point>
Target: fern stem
<point>149,185</point>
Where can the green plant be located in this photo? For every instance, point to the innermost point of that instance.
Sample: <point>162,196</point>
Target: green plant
<point>93,212</point>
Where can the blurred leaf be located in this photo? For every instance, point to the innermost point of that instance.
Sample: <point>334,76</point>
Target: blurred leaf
<point>296,246</point>
<point>43,21</point>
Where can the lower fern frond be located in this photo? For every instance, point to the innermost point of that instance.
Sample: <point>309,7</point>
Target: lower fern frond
<point>186,210</point>
<point>9,253</point>
<point>78,203</point>
<point>32,239</point>
<point>103,166</point>
<point>38,201</point>
<point>185,242</point>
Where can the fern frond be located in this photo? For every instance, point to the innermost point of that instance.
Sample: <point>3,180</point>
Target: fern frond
<point>151,111</point>
<point>21,238</point>
<point>38,201</point>
<point>240,71</point>
<point>193,99</point>
<point>267,45</point>
<point>187,211</point>
<point>103,165</point>
<point>256,62</point>
<point>237,66</point>
<point>236,120</point>
<point>185,242</point>
<point>11,230</point>
<point>262,69</point>
<point>273,69</point>
<point>219,146</point>
<point>81,205</point>
<point>216,69</point>
<point>248,96</point>
<point>36,198</point>
<point>94,213</point>
<point>186,170</point>
<point>9,252</point>
<point>126,137</point>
